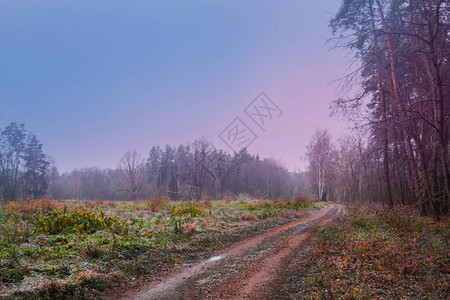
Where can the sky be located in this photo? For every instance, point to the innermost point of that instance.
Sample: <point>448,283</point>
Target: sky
<point>94,79</point>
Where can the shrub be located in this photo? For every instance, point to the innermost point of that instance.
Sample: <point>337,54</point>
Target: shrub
<point>176,224</point>
<point>300,202</point>
<point>207,202</point>
<point>227,197</point>
<point>189,228</point>
<point>244,197</point>
<point>297,205</point>
<point>16,233</point>
<point>400,221</point>
<point>156,203</point>
<point>186,208</point>
<point>91,204</point>
<point>78,222</point>
<point>301,198</point>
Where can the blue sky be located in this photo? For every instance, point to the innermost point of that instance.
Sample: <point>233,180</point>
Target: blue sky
<point>93,79</point>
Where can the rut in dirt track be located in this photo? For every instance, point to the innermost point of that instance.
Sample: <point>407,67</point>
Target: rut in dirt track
<point>252,269</point>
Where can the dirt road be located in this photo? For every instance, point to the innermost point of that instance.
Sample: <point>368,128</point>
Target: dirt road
<point>253,269</point>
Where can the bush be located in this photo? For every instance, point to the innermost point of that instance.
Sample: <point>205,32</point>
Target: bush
<point>244,197</point>
<point>301,198</point>
<point>300,202</point>
<point>207,202</point>
<point>189,228</point>
<point>294,205</point>
<point>186,208</point>
<point>78,222</point>
<point>16,233</point>
<point>156,203</point>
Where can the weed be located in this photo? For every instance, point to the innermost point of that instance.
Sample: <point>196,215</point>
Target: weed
<point>186,208</point>
<point>177,224</point>
<point>78,222</point>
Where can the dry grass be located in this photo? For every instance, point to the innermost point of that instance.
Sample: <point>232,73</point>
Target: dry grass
<point>382,255</point>
<point>189,228</point>
<point>30,207</point>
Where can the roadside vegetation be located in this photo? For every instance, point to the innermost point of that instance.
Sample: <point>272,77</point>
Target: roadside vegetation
<point>76,249</point>
<point>376,255</point>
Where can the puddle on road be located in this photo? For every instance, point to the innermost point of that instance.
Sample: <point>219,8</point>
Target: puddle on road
<point>215,258</point>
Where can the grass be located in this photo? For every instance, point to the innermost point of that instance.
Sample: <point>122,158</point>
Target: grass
<point>77,249</point>
<point>388,255</point>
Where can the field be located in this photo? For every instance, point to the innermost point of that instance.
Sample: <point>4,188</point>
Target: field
<point>77,249</point>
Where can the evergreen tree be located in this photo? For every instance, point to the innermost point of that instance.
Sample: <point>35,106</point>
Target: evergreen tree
<point>36,167</point>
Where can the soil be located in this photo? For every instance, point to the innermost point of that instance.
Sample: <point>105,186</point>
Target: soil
<point>253,269</point>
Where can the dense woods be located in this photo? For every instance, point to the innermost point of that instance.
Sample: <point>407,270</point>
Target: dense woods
<point>399,97</point>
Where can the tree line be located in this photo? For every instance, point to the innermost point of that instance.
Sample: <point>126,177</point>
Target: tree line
<point>399,99</point>
<point>187,172</point>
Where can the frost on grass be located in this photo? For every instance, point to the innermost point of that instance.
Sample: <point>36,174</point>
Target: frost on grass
<point>76,248</point>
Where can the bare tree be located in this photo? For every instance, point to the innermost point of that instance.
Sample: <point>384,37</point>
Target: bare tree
<point>320,155</point>
<point>132,168</point>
